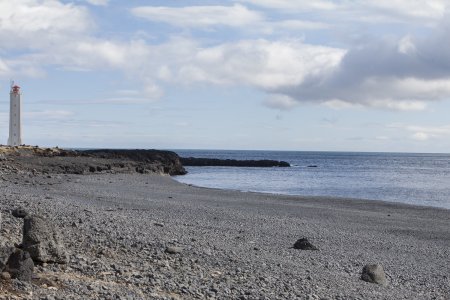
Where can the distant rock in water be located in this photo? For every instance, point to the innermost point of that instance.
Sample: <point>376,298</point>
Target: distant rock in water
<point>204,162</point>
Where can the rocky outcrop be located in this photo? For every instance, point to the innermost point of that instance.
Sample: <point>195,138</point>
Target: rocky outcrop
<point>149,161</point>
<point>59,161</point>
<point>203,162</point>
<point>42,241</point>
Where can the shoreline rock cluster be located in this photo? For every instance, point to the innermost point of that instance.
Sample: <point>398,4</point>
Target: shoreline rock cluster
<point>40,244</point>
<point>62,161</point>
<point>203,162</point>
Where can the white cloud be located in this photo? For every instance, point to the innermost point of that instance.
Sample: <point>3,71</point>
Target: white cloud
<point>362,10</point>
<point>406,45</point>
<point>423,133</point>
<point>430,9</point>
<point>33,24</point>
<point>98,2</point>
<point>261,63</point>
<point>4,69</point>
<point>396,73</point>
<point>199,16</point>
<point>237,16</point>
<point>281,102</point>
<point>420,136</point>
<point>294,5</point>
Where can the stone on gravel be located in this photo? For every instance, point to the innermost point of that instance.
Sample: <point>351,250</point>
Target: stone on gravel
<point>42,241</point>
<point>304,244</point>
<point>173,250</point>
<point>19,213</point>
<point>374,274</point>
<point>5,253</point>
<point>5,276</point>
<point>20,265</point>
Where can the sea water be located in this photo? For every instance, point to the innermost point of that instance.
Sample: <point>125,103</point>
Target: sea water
<point>420,179</point>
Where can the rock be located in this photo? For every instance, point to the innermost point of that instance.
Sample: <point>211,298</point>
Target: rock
<point>5,253</point>
<point>304,244</point>
<point>42,241</point>
<point>374,274</point>
<point>5,276</point>
<point>173,250</point>
<point>19,213</point>
<point>20,265</point>
<point>202,162</point>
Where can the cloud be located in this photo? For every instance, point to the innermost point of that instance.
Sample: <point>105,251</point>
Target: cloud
<point>396,73</point>
<point>420,136</point>
<point>281,102</point>
<point>260,63</point>
<point>294,5</point>
<point>399,74</point>
<point>372,11</point>
<point>236,16</point>
<point>98,2</point>
<point>33,24</point>
<point>423,133</point>
<point>199,16</point>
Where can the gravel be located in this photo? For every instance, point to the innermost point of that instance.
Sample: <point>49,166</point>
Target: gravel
<point>117,229</point>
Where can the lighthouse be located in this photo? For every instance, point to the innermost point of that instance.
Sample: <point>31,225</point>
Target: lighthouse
<point>15,122</point>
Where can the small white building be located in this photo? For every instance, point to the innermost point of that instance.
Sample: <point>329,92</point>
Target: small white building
<point>15,122</point>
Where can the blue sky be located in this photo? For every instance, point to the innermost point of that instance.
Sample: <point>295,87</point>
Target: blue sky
<point>239,74</point>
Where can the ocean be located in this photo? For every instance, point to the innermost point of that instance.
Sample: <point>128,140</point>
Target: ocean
<point>419,179</point>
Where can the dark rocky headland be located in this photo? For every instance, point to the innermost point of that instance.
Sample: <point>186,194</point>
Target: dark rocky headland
<point>61,161</point>
<point>110,224</point>
<point>203,162</point>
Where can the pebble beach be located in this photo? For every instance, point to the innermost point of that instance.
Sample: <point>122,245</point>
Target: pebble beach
<point>146,236</point>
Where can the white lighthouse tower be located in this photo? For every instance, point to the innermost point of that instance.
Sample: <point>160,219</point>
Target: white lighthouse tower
<point>15,122</point>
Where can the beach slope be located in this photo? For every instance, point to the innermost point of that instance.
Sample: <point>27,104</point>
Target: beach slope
<point>143,236</point>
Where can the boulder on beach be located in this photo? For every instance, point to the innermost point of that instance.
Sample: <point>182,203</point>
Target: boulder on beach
<point>19,213</point>
<point>173,250</point>
<point>374,274</point>
<point>42,241</point>
<point>20,265</point>
<point>5,253</point>
<point>304,244</point>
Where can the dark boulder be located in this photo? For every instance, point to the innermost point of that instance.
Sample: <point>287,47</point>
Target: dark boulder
<point>304,244</point>
<point>19,213</point>
<point>42,241</point>
<point>5,253</point>
<point>20,265</point>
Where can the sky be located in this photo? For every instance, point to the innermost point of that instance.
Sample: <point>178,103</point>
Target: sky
<point>367,75</point>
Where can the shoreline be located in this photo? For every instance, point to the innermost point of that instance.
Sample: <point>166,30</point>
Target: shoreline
<point>320,198</point>
<point>117,227</point>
